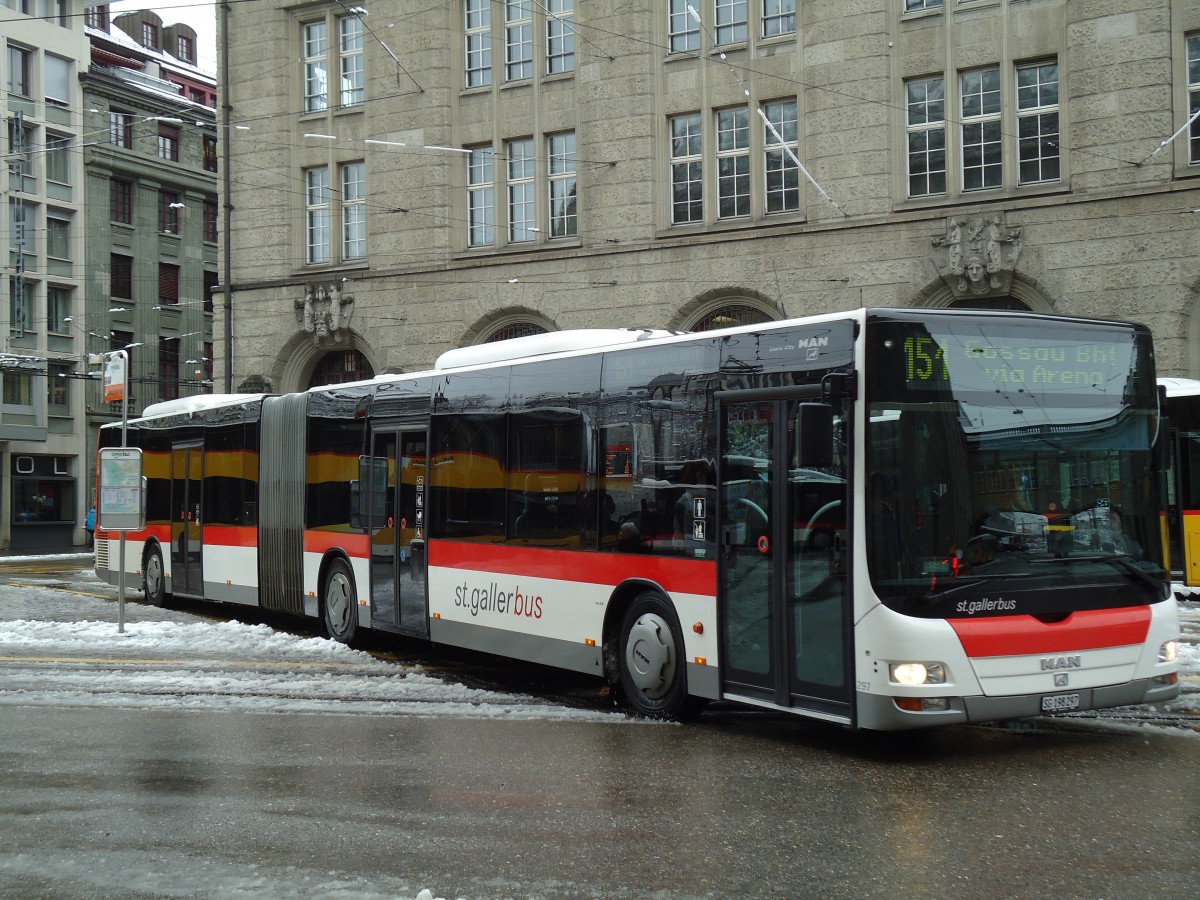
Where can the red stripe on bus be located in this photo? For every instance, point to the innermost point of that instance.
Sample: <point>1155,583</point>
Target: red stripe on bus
<point>1084,630</point>
<point>321,541</point>
<point>161,532</point>
<point>231,535</point>
<point>1191,512</point>
<point>684,576</point>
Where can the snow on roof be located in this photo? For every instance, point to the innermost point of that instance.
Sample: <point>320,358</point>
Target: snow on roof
<point>543,344</point>
<point>190,405</point>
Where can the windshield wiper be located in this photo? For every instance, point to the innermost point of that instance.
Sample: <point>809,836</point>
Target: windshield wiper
<point>1125,563</point>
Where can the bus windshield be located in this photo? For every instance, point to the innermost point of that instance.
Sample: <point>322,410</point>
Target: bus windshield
<point>1008,459</point>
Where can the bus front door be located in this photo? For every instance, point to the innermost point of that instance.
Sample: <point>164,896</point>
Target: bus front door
<point>187,521</point>
<point>397,496</point>
<point>782,571</point>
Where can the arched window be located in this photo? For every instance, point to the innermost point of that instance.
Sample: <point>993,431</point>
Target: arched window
<point>1005,303</point>
<point>514,330</point>
<point>341,366</point>
<point>729,316</point>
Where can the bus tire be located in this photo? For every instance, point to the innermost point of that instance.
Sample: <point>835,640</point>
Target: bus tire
<point>652,665</point>
<point>338,602</point>
<point>154,578</point>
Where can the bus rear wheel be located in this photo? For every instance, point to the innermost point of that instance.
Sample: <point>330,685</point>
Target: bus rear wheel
<point>340,605</point>
<point>653,667</point>
<point>154,579</point>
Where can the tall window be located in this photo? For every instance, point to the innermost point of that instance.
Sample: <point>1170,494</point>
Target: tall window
<point>168,368</point>
<point>96,16</point>
<point>687,170</point>
<point>120,201</point>
<point>58,237</point>
<point>58,309</point>
<point>19,75</point>
<point>481,197</point>
<point>778,17</point>
<point>981,150</point>
<point>683,31</point>
<point>911,5</point>
<point>210,221</point>
<point>169,206</point>
<point>150,35</point>
<point>210,283</point>
<point>58,386</point>
<point>168,142</point>
<point>1193,67</point>
<point>120,128</point>
<point>926,104</point>
<point>518,39</point>
<point>168,284</point>
<point>120,269</point>
<point>210,153</point>
<point>56,72</point>
<point>733,163</point>
<point>563,211</point>
<point>782,174</point>
<point>316,212</point>
<point>1037,122</point>
<point>350,60</point>
<point>185,48</point>
<point>731,21</point>
<point>354,211</point>
<point>316,71</point>
<point>58,158</point>
<point>20,312</point>
<point>22,217</point>
<point>478,23</point>
<point>522,203</point>
<point>560,36</point>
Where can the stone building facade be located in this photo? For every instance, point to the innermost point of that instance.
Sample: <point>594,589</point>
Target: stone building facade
<point>421,179</point>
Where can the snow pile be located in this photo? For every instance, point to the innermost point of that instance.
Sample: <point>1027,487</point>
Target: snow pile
<point>233,666</point>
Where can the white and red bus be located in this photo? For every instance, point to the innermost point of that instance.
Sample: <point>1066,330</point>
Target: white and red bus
<point>885,519</point>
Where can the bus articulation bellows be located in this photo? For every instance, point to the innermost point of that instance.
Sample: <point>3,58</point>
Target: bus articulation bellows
<point>884,519</point>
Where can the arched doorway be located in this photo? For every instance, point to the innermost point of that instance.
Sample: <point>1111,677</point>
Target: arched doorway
<point>339,367</point>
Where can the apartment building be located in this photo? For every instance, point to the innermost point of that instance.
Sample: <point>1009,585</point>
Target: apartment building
<point>42,472</point>
<point>151,210</point>
<point>110,160</point>
<point>411,179</point>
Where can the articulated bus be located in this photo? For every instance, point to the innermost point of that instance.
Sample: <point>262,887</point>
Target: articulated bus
<point>884,519</point>
<point>1182,520</point>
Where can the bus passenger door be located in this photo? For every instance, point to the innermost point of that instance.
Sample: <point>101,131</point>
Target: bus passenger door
<point>397,495</point>
<point>187,520</point>
<point>784,594</point>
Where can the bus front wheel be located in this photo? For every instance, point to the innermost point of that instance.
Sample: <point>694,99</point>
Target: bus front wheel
<point>341,608</point>
<point>653,670</point>
<point>154,579</point>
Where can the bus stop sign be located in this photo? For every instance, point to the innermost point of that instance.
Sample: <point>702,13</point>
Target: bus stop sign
<point>122,505</point>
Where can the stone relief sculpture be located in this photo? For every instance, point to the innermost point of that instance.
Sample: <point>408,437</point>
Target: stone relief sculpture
<point>977,256</point>
<point>325,312</point>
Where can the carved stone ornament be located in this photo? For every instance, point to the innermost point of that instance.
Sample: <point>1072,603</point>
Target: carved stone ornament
<point>977,255</point>
<point>325,313</point>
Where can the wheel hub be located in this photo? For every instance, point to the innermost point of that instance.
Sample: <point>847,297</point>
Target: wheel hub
<point>650,655</point>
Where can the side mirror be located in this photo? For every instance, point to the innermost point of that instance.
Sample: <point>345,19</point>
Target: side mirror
<point>814,435</point>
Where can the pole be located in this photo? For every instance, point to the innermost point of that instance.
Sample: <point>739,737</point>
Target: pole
<point>123,355</point>
<point>227,208</point>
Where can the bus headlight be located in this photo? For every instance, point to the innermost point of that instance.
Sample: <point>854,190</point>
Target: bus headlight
<point>913,673</point>
<point>1168,652</point>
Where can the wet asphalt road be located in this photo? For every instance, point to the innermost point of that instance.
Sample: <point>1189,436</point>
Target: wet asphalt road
<point>114,802</point>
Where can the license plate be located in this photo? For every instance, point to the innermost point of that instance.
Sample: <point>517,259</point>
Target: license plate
<point>1060,702</point>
